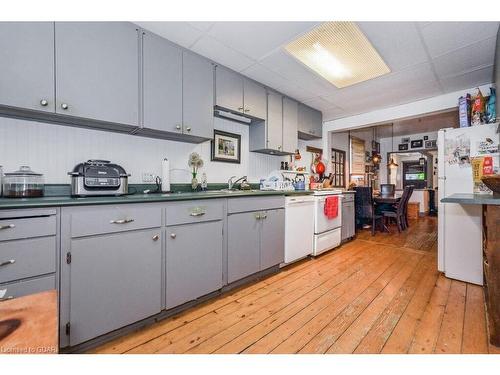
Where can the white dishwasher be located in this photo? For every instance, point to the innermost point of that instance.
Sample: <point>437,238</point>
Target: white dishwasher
<point>299,227</point>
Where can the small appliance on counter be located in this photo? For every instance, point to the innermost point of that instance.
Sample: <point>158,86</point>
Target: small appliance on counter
<point>98,177</point>
<point>23,183</point>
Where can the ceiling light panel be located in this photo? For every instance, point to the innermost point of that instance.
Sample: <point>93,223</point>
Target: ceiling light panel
<point>340,53</point>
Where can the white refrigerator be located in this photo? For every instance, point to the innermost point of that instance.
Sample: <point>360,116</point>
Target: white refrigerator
<point>460,226</point>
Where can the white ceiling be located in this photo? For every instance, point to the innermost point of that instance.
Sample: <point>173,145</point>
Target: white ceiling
<point>426,59</point>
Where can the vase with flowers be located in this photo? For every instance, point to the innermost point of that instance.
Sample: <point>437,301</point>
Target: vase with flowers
<point>195,162</point>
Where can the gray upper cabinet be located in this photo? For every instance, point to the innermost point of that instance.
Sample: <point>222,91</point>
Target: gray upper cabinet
<point>310,122</point>
<point>272,251</point>
<point>115,280</point>
<point>27,65</point>
<point>194,262</point>
<point>243,245</point>
<point>198,96</point>
<point>274,121</point>
<point>97,71</point>
<point>254,98</point>
<point>228,89</point>
<point>290,125</point>
<point>162,84</point>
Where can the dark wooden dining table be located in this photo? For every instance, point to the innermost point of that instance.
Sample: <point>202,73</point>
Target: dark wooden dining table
<point>388,199</point>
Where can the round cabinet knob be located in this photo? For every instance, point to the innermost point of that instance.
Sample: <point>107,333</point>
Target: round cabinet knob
<point>188,129</point>
<point>279,147</point>
<point>247,110</point>
<point>173,235</point>
<point>257,217</point>
<point>240,108</point>
<point>64,106</point>
<point>44,103</point>
<point>156,237</point>
<point>178,127</point>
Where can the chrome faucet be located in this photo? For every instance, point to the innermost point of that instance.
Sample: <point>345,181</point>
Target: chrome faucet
<point>231,183</point>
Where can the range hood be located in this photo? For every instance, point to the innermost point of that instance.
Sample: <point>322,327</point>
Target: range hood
<point>232,116</point>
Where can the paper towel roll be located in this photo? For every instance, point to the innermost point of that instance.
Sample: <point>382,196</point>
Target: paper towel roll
<point>165,175</point>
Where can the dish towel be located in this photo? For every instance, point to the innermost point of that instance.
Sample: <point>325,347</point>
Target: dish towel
<point>331,208</point>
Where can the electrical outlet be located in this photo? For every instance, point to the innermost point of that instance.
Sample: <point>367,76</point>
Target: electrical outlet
<point>148,177</point>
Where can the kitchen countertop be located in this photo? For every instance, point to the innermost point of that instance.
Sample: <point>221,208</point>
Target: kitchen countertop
<point>472,199</point>
<point>28,325</point>
<point>51,201</point>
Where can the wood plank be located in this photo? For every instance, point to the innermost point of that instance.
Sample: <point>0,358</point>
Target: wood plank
<point>376,338</point>
<point>351,338</point>
<point>189,335</point>
<point>475,339</point>
<point>354,286</point>
<point>450,336</point>
<point>401,337</point>
<point>427,330</point>
<point>245,293</point>
<point>265,321</point>
<point>330,333</point>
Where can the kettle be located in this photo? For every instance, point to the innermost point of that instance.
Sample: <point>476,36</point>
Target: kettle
<point>300,182</point>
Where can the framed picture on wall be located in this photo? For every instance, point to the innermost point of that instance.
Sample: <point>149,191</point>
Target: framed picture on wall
<point>403,147</point>
<point>226,147</point>
<point>417,143</point>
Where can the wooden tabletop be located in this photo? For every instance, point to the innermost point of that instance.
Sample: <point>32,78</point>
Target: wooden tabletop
<point>28,325</point>
<point>387,198</point>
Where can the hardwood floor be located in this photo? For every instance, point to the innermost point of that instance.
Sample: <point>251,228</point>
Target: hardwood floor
<point>372,295</point>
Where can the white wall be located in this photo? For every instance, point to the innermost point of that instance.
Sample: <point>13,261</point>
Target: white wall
<point>54,150</point>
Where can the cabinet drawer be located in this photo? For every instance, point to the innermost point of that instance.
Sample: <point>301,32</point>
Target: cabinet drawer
<point>12,229</point>
<point>27,258</point>
<point>87,221</point>
<point>195,211</point>
<point>235,205</point>
<point>23,288</point>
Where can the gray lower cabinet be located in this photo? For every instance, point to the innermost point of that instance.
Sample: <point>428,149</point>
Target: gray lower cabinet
<point>348,229</point>
<point>197,96</point>
<point>162,84</point>
<point>97,71</point>
<point>272,251</point>
<point>243,245</point>
<point>193,261</point>
<point>256,242</point>
<point>27,65</point>
<point>115,280</point>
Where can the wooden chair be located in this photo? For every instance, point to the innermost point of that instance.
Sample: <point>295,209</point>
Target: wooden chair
<point>387,189</point>
<point>365,207</point>
<point>400,210</point>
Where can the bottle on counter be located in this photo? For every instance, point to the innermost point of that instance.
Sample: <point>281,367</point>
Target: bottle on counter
<point>204,183</point>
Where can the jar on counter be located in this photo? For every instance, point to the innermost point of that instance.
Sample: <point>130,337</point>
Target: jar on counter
<point>23,183</point>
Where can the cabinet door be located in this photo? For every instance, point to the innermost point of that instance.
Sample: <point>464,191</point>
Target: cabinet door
<point>255,99</point>
<point>274,121</point>
<point>27,65</point>
<point>115,280</point>
<point>272,250</point>
<point>194,261</point>
<point>228,89</point>
<point>305,119</point>
<point>348,229</point>
<point>290,120</point>
<point>316,123</point>
<point>198,96</point>
<point>243,245</point>
<point>97,71</point>
<point>162,82</point>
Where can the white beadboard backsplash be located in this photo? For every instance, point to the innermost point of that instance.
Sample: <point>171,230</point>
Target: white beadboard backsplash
<point>55,149</point>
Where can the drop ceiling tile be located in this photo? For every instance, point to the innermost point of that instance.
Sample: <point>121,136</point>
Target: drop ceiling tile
<point>287,66</point>
<point>203,26</point>
<point>465,59</point>
<point>178,32</point>
<point>256,39</point>
<point>398,43</point>
<point>333,113</point>
<point>444,37</point>
<point>471,79</point>
<point>218,52</point>
<point>265,76</point>
<point>296,92</point>
<point>318,103</point>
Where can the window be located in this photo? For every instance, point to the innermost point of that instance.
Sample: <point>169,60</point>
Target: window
<point>338,168</point>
